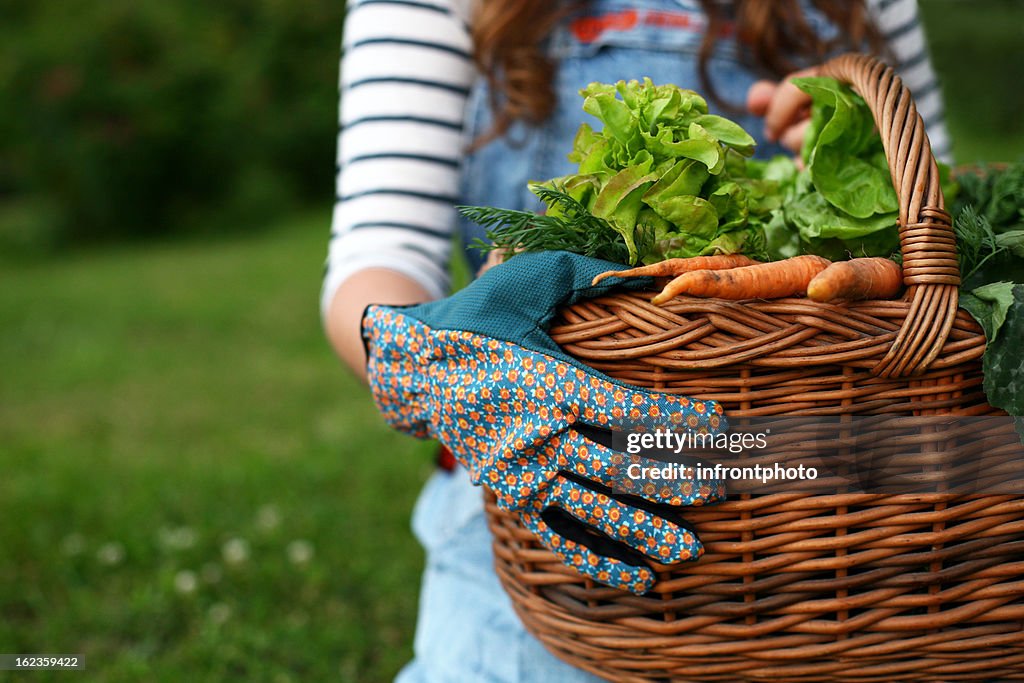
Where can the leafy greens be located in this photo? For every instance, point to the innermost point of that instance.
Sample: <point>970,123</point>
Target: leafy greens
<point>667,176</point>
<point>663,178</point>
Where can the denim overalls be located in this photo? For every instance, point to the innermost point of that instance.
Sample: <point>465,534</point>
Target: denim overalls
<point>467,631</point>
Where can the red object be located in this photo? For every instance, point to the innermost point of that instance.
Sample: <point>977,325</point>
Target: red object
<point>445,460</point>
<point>589,29</point>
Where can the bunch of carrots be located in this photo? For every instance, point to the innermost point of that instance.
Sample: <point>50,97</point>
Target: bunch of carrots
<point>738,277</point>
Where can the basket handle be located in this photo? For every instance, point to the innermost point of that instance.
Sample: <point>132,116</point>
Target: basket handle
<point>930,268</point>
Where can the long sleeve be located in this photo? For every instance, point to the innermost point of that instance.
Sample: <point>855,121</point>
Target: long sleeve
<point>900,24</point>
<point>406,71</point>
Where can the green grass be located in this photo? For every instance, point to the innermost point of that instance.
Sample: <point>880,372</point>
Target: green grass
<point>154,396</point>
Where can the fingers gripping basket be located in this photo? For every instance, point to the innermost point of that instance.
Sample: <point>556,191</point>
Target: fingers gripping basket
<point>847,587</point>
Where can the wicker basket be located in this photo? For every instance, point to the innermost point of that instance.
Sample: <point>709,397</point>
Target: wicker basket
<point>848,587</point>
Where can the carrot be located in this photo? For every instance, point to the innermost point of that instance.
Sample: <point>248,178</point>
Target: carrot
<point>674,267</point>
<point>859,278</point>
<point>761,281</point>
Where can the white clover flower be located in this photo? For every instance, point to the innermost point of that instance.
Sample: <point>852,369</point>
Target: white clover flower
<point>268,518</point>
<point>219,612</point>
<point>300,552</point>
<point>73,544</point>
<point>235,551</point>
<point>185,582</point>
<point>110,554</point>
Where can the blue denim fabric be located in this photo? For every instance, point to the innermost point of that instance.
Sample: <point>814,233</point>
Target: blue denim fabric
<point>467,630</point>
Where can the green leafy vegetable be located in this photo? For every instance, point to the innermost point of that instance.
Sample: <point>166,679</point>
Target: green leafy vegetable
<point>976,242</point>
<point>663,165</point>
<point>989,224</point>
<point>842,203</point>
<point>663,178</point>
<point>843,152</point>
<point>568,226</point>
<point>989,221</point>
<point>999,308</point>
<point>989,305</point>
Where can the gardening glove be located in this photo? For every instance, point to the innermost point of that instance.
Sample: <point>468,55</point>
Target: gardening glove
<point>478,372</point>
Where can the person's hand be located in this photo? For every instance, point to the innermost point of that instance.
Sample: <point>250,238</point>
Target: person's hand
<point>478,372</point>
<point>785,108</point>
<point>494,258</point>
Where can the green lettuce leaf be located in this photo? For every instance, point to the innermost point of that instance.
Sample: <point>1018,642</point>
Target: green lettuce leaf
<point>662,164</point>
<point>843,151</point>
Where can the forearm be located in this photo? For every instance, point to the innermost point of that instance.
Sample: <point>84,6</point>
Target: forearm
<point>345,313</point>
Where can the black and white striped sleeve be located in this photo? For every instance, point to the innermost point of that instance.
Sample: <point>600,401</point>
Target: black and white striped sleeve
<point>406,70</point>
<point>900,24</point>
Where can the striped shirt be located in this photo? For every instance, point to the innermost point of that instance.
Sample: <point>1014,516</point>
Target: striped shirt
<point>406,72</point>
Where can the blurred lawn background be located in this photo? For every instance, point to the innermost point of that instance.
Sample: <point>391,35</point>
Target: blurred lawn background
<point>190,486</point>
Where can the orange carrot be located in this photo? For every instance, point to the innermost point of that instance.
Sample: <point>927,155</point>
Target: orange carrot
<point>674,267</point>
<point>859,278</point>
<point>761,281</point>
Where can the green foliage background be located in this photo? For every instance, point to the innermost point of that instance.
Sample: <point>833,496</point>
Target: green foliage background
<point>124,118</point>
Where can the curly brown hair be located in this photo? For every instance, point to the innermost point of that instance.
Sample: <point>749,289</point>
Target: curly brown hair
<point>508,34</point>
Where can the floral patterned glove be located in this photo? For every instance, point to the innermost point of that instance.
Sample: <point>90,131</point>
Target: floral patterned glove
<point>477,372</point>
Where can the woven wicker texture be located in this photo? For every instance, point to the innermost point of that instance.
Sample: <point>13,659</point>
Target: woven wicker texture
<point>796,587</point>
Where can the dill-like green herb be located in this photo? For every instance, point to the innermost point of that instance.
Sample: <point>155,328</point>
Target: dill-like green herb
<point>570,227</point>
<point>975,241</point>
